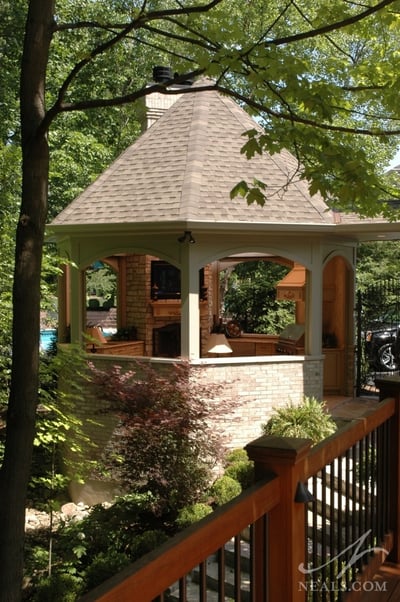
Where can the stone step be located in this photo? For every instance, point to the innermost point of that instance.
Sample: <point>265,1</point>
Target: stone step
<point>212,581</point>
<point>244,555</point>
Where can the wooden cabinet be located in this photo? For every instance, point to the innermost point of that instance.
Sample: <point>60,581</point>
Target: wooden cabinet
<point>333,370</point>
<point>118,348</point>
<point>248,345</point>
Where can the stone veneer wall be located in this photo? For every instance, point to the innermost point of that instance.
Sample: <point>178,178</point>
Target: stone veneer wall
<point>252,387</point>
<point>255,387</point>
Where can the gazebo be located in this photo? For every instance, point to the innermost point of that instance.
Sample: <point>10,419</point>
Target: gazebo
<point>161,215</point>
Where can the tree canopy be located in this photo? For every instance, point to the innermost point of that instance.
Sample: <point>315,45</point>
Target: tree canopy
<point>322,82</point>
<point>321,78</point>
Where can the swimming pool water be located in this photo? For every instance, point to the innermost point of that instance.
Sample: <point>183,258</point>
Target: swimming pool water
<point>46,338</point>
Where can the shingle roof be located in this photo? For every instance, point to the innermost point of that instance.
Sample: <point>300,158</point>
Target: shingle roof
<point>183,169</point>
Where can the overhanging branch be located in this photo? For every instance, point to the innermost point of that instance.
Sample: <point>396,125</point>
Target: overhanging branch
<point>312,33</point>
<point>151,16</point>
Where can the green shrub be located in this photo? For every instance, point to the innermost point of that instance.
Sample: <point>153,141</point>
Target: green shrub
<point>101,544</point>
<point>60,586</point>
<point>224,489</point>
<point>105,565</point>
<point>108,529</point>
<point>237,455</point>
<point>308,420</point>
<point>239,467</point>
<point>145,542</point>
<point>191,514</point>
<point>243,472</point>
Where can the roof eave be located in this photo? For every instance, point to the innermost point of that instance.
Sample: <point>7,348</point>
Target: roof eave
<point>356,232</point>
<point>54,231</point>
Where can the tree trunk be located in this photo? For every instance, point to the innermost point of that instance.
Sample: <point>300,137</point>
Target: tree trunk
<point>15,471</point>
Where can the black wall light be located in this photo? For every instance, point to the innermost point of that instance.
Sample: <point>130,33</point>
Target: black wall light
<point>303,496</point>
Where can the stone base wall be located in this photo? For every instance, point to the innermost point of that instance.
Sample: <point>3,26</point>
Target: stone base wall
<point>255,388</point>
<point>250,387</point>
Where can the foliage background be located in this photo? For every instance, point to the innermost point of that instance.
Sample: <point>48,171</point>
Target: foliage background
<point>321,91</point>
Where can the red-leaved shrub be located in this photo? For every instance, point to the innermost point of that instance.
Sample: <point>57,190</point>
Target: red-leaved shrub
<point>165,437</point>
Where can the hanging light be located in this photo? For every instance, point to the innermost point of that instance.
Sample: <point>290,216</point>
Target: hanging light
<point>218,343</point>
<point>187,237</point>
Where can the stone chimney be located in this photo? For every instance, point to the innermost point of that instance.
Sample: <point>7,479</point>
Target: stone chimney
<point>156,104</point>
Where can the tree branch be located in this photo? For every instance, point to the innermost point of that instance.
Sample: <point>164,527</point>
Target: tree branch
<point>294,118</point>
<point>312,33</point>
<point>151,16</point>
<point>334,44</point>
<point>141,21</point>
<point>207,44</point>
<point>191,30</point>
<point>122,100</point>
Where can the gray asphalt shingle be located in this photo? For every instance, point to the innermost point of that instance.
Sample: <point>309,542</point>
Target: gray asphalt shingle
<point>184,167</point>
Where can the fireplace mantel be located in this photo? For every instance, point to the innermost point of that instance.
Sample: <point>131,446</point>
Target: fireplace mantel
<point>171,308</point>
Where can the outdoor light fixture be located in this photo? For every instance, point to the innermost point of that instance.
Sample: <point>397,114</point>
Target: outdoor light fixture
<point>187,237</point>
<point>95,337</point>
<point>218,343</point>
<point>303,496</point>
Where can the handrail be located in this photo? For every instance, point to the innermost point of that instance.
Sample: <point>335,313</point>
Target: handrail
<point>295,462</point>
<point>283,464</point>
<point>337,444</point>
<point>174,559</point>
<point>352,503</point>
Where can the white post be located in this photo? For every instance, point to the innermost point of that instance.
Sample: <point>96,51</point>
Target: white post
<point>190,315</point>
<point>77,304</point>
<point>313,343</point>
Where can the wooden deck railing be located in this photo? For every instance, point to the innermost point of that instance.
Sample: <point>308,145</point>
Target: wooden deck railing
<point>155,573</point>
<point>354,479</point>
<point>353,514</point>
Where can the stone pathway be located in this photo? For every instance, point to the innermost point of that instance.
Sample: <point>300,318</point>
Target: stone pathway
<point>350,407</point>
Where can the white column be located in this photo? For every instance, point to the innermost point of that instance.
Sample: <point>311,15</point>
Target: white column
<point>314,294</point>
<point>77,302</point>
<point>190,315</point>
<point>63,288</point>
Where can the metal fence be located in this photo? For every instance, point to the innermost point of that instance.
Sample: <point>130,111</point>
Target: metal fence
<point>377,331</point>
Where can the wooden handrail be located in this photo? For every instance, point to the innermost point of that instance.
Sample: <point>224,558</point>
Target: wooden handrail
<point>152,574</point>
<point>155,572</point>
<point>337,444</point>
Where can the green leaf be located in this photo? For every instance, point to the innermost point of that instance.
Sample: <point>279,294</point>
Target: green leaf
<point>241,189</point>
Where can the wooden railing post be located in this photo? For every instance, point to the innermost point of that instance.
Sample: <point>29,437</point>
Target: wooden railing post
<point>389,386</point>
<point>286,526</point>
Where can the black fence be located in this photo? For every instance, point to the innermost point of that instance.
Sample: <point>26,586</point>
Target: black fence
<point>350,515</point>
<point>378,333</point>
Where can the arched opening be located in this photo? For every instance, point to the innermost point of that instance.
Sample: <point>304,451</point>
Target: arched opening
<point>254,299</point>
<point>337,326</point>
<point>101,284</point>
<point>248,293</point>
